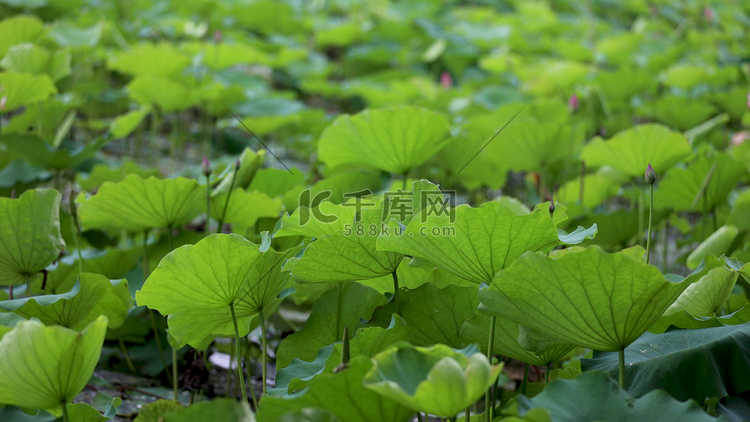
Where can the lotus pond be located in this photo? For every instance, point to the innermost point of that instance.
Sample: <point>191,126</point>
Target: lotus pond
<point>369,211</point>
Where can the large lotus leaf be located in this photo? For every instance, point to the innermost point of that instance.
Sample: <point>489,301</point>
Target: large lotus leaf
<point>276,182</point>
<point>683,319</point>
<point>125,124</point>
<point>30,237</point>
<point>92,296</point>
<point>365,342</point>
<point>681,112</point>
<point>101,173</point>
<point>348,255</point>
<point>196,284</point>
<point>395,140</point>
<point>334,188</point>
<point>597,188</point>
<point>210,411</point>
<point>476,331</point>
<point>434,315</point>
<point>531,145</point>
<point>740,210</point>
<point>617,228</point>
<point>708,295</point>
<point>714,360</point>
<point>222,55</point>
<point>436,380</point>
<point>36,60</point>
<point>710,177</point>
<point>632,150</point>
<point>138,204</point>
<point>317,220</point>
<point>19,29</point>
<point>40,153</point>
<point>330,314</point>
<point>45,367</point>
<point>480,242</point>
<point>245,208</point>
<point>112,264</point>
<point>21,89</point>
<point>150,59</point>
<point>341,394</point>
<point>163,92</point>
<point>594,396</point>
<point>589,298</point>
<point>68,35</point>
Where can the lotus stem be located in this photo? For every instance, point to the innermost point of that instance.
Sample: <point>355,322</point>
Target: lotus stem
<point>154,328</point>
<point>488,405</point>
<point>339,306</point>
<point>525,381</point>
<point>124,351</point>
<point>650,222</point>
<point>208,203</point>
<point>229,195</point>
<point>396,296</point>
<point>263,346</point>
<point>665,246</point>
<point>582,180</point>
<point>229,373</point>
<point>406,175</point>
<point>76,230</point>
<point>174,372</point>
<point>546,376</point>
<point>237,352</point>
<point>467,417</point>
<point>66,417</point>
<point>28,285</point>
<point>622,368</point>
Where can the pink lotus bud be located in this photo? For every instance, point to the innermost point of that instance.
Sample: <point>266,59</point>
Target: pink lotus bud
<point>3,101</point>
<point>708,13</point>
<point>237,164</point>
<point>445,80</point>
<point>650,175</point>
<point>573,103</point>
<point>748,100</point>
<point>217,36</point>
<point>206,167</point>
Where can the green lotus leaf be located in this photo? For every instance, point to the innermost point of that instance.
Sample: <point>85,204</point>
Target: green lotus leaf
<point>67,35</point>
<point>436,380</point>
<point>163,92</point>
<point>101,173</point>
<point>40,153</point>
<point>207,411</point>
<point>685,320</point>
<point>615,229</point>
<point>92,296</point>
<point>22,89</point>
<point>682,189</point>
<point>138,204</point>
<point>367,342</point>
<point>714,359</point>
<point>597,188</point>
<point>45,367</point>
<point>475,330</point>
<point>30,237</point>
<point>84,412</point>
<point>589,298</point>
<point>681,113</point>
<point>395,140</point>
<point>740,209</point>
<point>338,185</point>
<point>112,264</point>
<point>318,220</point>
<point>718,243</point>
<point>245,208</point>
<point>276,182</point>
<point>341,394</point>
<point>708,295</point>
<point>125,124</point>
<point>19,29</point>
<point>483,241</point>
<point>434,315</point>
<point>632,150</point>
<point>578,235</point>
<point>593,396</point>
<point>151,412</point>
<point>21,172</point>
<point>36,60</point>
<point>685,76</point>
<point>196,285</point>
<point>222,55</point>
<point>530,145</point>
<point>162,59</point>
<point>356,302</point>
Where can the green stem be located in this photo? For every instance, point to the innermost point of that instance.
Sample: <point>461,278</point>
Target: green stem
<point>174,372</point>
<point>406,174</point>
<point>229,373</point>
<point>151,315</point>
<point>467,418</point>
<point>263,346</point>
<point>226,203</point>
<point>665,247</point>
<point>28,285</point>
<point>208,203</point>
<point>66,417</point>
<point>76,231</point>
<point>525,381</point>
<point>546,376</point>
<point>488,397</point>
<point>396,295</point>
<point>124,351</point>
<point>339,306</point>
<point>650,222</point>
<point>419,417</point>
<point>237,352</point>
<point>622,368</point>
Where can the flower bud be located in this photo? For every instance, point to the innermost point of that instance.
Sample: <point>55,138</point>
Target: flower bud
<point>573,103</point>
<point>237,165</point>
<point>206,167</point>
<point>445,80</point>
<point>650,176</point>
<point>551,208</point>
